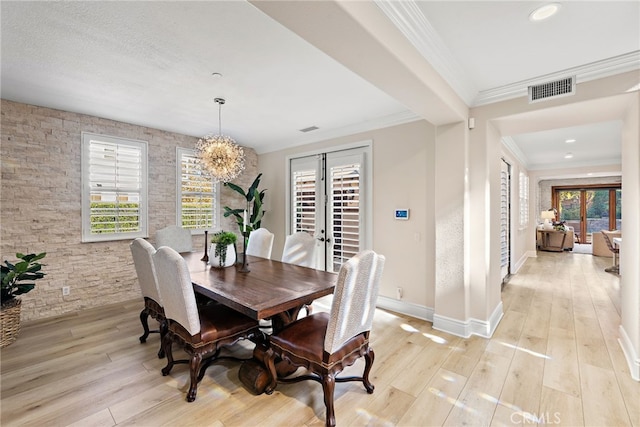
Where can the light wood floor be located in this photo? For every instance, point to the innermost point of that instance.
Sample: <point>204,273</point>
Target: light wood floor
<point>554,359</point>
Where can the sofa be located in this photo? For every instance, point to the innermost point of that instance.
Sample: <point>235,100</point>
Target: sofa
<point>599,246</point>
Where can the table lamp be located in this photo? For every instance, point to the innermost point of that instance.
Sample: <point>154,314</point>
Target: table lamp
<point>547,216</point>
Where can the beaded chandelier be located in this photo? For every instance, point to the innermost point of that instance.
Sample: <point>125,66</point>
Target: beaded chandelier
<point>219,154</point>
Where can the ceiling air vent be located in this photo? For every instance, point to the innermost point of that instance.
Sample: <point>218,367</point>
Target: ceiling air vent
<point>309,129</point>
<point>562,87</point>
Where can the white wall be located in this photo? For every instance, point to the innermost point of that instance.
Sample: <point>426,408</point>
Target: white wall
<point>403,177</point>
<point>629,253</point>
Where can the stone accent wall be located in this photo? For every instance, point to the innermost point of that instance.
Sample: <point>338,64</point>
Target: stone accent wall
<point>40,205</point>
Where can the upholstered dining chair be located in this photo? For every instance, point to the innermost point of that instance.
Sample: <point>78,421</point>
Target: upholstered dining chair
<point>260,243</point>
<point>142,253</point>
<point>300,249</point>
<point>175,237</point>
<point>326,343</point>
<point>615,268</point>
<point>201,330</point>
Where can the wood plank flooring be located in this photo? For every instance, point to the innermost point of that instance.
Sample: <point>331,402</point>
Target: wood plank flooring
<point>554,359</point>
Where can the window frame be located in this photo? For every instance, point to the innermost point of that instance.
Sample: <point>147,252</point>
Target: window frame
<point>87,235</point>
<point>215,208</point>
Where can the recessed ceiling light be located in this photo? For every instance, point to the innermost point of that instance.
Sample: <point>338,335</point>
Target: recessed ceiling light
<point>568,156</point>
<point>544,12</point>
<point>569,141</point>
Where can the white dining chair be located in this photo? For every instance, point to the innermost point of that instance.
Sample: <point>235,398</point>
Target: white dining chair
<point>300,249</point>
<point>260,243</point>
<point>327,343</point>
<point>201,330</point>
<point>175,237</point>
<point>142,253</point>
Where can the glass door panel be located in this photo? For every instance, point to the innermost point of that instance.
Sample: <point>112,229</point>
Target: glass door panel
<point>569,211</point>
<point>597,209</point>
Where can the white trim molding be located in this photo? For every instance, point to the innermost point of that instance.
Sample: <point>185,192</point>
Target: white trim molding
<point>633,359</point>
<point>414,310</point>
<point>464,329</point>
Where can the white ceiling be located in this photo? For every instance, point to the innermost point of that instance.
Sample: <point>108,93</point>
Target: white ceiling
<point>151,63</point>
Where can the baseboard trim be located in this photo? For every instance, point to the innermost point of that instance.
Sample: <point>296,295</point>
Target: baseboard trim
<point>464,329</point>
<point>522,260</point>
<point>403,307</point>
<point>633,360</point>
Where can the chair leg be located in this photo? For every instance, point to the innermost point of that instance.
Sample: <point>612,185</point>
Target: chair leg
<point>194,367</point>
<point>163,331</point>
<point>328,387</point>
<point>369,356</point>
<point>208,363</point>
<point>144,316</point>
<point>166,346</point>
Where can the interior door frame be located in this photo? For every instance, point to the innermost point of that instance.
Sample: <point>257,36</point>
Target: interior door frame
<point>367,147</point>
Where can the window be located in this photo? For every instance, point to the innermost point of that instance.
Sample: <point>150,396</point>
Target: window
<point>114,188</point>
<point>524,199</point>
<point>197,194</point>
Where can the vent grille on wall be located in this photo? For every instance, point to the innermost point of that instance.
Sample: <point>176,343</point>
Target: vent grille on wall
<point>309,129</point>
<point>562,87</point>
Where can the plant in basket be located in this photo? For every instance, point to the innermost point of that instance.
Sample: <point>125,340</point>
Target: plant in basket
<point>17,278</point>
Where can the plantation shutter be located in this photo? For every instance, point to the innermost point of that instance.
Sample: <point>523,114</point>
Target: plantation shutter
<point>505,224</point>
<point>116,185</point>
<point>198,194</point>
<point>304,192</point>
<point>346,210</point>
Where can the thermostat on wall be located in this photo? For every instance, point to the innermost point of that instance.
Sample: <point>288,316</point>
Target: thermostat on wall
<point>402,214</point>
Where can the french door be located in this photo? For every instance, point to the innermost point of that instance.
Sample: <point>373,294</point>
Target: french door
<point>589,210</point>
<point>328,200</point>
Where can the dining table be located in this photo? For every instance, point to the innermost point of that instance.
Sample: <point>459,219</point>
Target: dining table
<point>269,290</point>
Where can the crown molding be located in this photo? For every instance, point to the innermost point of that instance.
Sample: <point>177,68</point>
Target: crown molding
<point>409,19</point>
<point>584,73</point>
<point>511,145</point>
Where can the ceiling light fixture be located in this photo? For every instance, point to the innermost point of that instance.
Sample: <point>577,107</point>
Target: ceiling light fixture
<point>544,12</point>
<point>570,141</point>
<point>568,156</point>
<point>219,155</point>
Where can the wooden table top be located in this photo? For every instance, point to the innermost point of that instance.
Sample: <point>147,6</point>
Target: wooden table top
<point>270,288</point>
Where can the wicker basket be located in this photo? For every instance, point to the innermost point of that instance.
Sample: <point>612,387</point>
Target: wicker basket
<point>10,321</point>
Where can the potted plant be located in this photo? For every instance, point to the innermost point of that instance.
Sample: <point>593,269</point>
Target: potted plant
<point>255,213</point>
<point>223,248</point>
<point>16,279</point>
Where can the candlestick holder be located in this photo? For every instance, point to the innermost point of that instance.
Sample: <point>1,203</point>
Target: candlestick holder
<point>245,263</point>
<point>205,258</point>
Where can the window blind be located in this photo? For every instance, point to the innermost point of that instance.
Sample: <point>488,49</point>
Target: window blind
<point>198,194</point>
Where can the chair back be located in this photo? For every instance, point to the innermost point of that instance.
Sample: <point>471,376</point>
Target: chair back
<point>175,237</point>
<point>142,253</point>
<point>354,299</point>
<point>300,249</point>
<point>176,290</point>
<point>260,243</point>
<point>609,243</point>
